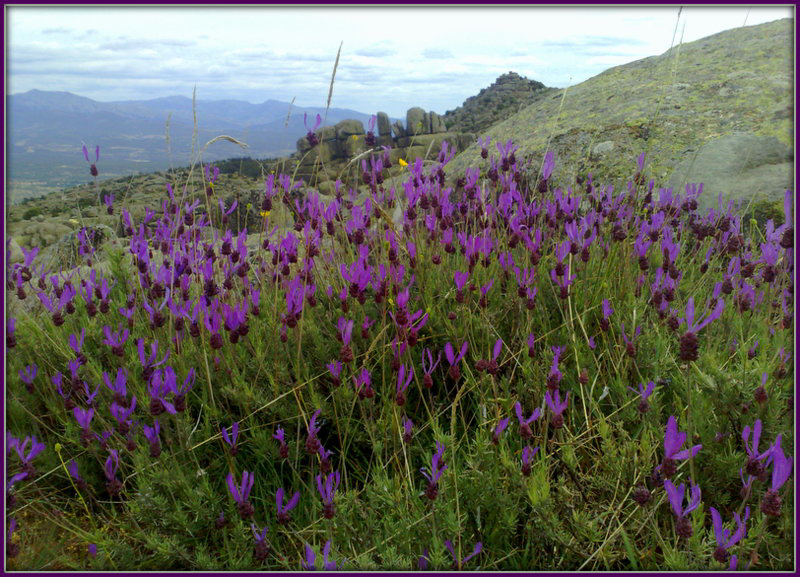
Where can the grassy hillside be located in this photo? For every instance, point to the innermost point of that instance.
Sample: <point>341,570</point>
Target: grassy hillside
<point>668,105</point>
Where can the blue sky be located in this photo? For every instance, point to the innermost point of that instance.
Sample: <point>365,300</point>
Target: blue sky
<point>392,58</point>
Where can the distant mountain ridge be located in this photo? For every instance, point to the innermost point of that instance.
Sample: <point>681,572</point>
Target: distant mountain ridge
<point>45,130</point>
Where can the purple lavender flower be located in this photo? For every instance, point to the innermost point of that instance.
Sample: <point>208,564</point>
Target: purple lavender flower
<point>261,545</point>
<point>72,467</point>
<point>312,442</point>
<point>630,344</point>
<point>527,458</point>
<point>92,165</point>
<point>118,387</point>
<point>723,536</point>
<point>231,439</point>
<point>283,510</point>
<point>284,448</point>
<point>84,418</point>
<point>162,382</point>
<point>152,436</point>
<point>771,504</point>
<point>407,427</point>
<point>402,384</point>
<point>26,459</point>
<point>437,468</point>
<point>554,376</point>
<point>12,549</point>
<point>607,312</point>
<point>311,558</point>
<point>683,526</point>
<point>455,372</point>
<point>327,490</point>
<point>498,430</point>
<point>335,369</point>
<point>459,563</point>
<point>242,494</point>
<point>557,407</point>
<point>673,441</point>
<point>531,345</point>
<point>27,375</point>
<point>460,280</point>
<point>310,136</point>
<point>363,384</point>
<point>422,561</point>
<point>525,424</point>
<point>754,464</point>
<point>428,367</point>
<point>345,331</point>
<point>10,497</point>
<point>688,341</point>
<point>644,393</point>
<point>113,485</point>
<point>11,340</point>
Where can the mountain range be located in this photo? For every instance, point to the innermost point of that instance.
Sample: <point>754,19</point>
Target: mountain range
<point>46,129</point>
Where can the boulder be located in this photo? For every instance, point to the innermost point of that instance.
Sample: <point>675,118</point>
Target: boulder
<point>415,121</point>
<point>351,146</point>
<point>347,128</point>
<point>603,148</point>
<point>14,252</point>
<point>437,124</point>
<point>398,129</point>
<point>327,188</point>
<point>384,126</point>
<point>739,165</point>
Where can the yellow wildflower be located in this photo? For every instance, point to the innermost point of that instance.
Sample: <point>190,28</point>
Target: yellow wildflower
<point>264,213</point>
<point>402,162</point>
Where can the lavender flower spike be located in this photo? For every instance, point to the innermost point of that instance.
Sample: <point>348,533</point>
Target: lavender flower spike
<point>688,341</point>
<point>457,564</point>
<point>754,465</point>
<point>557,407</point>
<point>525,424</point>
<point>723,536</point>
<point>673,441</point>
<point>644,393</point>
<point>772,503</point>
<point>283,510</point>
<point>327,490</point>
<point>683,526</point>
<point>231,439</point>
<point>242,495</point>
<point>498,430</point>
<point>437,468</point>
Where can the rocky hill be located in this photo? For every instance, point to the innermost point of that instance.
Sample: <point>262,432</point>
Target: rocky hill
<point>718,110</point>
<point>507,95</point>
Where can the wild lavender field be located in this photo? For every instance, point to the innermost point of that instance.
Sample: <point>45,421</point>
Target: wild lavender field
<point>505,373</point>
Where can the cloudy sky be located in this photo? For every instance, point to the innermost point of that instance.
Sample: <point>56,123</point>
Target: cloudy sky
<point>392,58</point>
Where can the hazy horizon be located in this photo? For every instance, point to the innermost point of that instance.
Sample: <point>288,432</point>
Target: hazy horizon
<point>255,54</point>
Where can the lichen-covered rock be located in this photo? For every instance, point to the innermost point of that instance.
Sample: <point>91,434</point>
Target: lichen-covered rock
<point>347,128</point>
<point>14,251</point>
<point>602,148</point>
<point>437,124</point>
<point>384,126</point>
<point>398,129</point>
<point>415,121</point>
<point>742,165</point>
